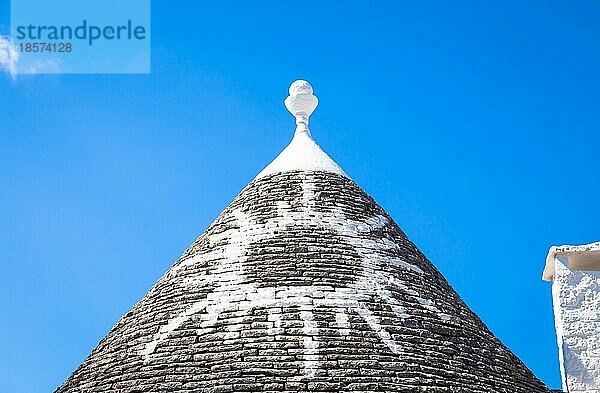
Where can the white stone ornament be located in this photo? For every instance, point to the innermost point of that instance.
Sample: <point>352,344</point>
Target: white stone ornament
<point>303,153</point>
<point>301,102</point>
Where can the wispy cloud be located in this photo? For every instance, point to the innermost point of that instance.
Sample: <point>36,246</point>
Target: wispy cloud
<point>9,57</point>
<point>43,66</point>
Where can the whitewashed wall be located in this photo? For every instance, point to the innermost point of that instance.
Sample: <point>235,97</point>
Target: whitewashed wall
<point>576,297</point>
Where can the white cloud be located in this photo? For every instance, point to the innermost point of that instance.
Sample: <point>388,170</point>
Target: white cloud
<point>43,66</point>
<point>8,56</point>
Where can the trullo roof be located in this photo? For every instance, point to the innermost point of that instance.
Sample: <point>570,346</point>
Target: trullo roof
<point>302,284</point>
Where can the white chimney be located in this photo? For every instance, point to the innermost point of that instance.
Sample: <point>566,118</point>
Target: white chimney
<point>575,275</point>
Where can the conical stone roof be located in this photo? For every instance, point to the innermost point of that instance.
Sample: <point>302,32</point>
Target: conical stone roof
<point>302,284</point>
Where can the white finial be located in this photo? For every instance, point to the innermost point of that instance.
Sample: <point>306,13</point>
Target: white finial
<point>303,153</point>
<point>301,102</point>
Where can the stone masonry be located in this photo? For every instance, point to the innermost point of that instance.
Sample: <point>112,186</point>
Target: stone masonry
<point>303,284</point>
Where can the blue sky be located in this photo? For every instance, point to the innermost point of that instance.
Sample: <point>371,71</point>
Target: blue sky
<point>475,125</point>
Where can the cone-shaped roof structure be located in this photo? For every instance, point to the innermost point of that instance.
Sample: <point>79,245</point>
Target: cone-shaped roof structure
<point>302,284</point>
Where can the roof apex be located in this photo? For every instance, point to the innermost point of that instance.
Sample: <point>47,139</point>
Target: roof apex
<point>303,153</point>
